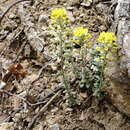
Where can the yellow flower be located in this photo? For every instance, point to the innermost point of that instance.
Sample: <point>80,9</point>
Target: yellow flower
<point>98,48</point>
<point>107,38</point>
<point>106,48</point>
<point>59,15</point>
<point>81,34</point>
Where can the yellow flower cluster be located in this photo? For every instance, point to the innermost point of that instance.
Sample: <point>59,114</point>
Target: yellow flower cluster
<point>107,38</point>
<point>59,15</point>
<point>81,34</point>
<point>108,44</point>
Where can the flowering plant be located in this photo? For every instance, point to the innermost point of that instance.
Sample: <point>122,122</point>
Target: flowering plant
<point>61,30</point>
<point>101,55</point>
<point>86,62</point>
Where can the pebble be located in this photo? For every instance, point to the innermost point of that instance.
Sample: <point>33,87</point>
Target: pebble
<point>12,16</point>
<point>70,8</point>
<point>73,2</point>
<point>2,84</point>
<point>54,110</point>
<point>88,4</point>
<point>43,18</point>
<point>55,127</point>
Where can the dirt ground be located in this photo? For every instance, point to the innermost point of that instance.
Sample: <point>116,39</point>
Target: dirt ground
<point>30,77</point>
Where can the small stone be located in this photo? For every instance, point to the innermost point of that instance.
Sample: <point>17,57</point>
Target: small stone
<point>54,110</point>
<point>23,94</point>
<point>54,67</point>
<point>2,84</point>
<point>103,28</point>
<point>88,4</point>
<point>70,8</point>
<point>41,127</point>
<point>53,2</point>
<point>100,7</point>
<point>12,16</point>
<point>82,117</point>
<point>73,2</point>
<point>83,95</point>
<point>55,127</point>
<point>43,18</point>
<point>17,117</point>
<point>68,109</point>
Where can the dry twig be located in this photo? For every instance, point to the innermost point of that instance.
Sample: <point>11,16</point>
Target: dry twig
<point>11,94</point>
<point>20,50</point>
<point>42,110</point>
<point>42,101</point>
<point>7,10</point>
<point>11,115</point>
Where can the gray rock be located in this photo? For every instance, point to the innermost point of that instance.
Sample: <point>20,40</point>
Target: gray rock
<point>43,18</point>
<point>55,127</point>
<point>73,2</point>
<point>119,95</point>
<point>86,3</point>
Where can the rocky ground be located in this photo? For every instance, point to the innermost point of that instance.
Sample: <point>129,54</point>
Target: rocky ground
<point>28,76</point>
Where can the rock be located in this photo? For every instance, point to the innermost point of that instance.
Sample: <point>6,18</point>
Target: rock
<point>43,18</point>
<point>73,2</point>
<point>119,94</point>
<point>96,1</point>
<point>17,117</point>
<point>2,84</point>
<point>86,3</point>
<point>103,28</point>
<point>54,110</point>
<point>55,127</point>
<point>70,8</point>
<point>119,88</point>
<point>100,7</point>
<point>126,49</point>
<point>41,127</point>
<point>82,117</point>
<point>12,16</point>
<point>52,2</point>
